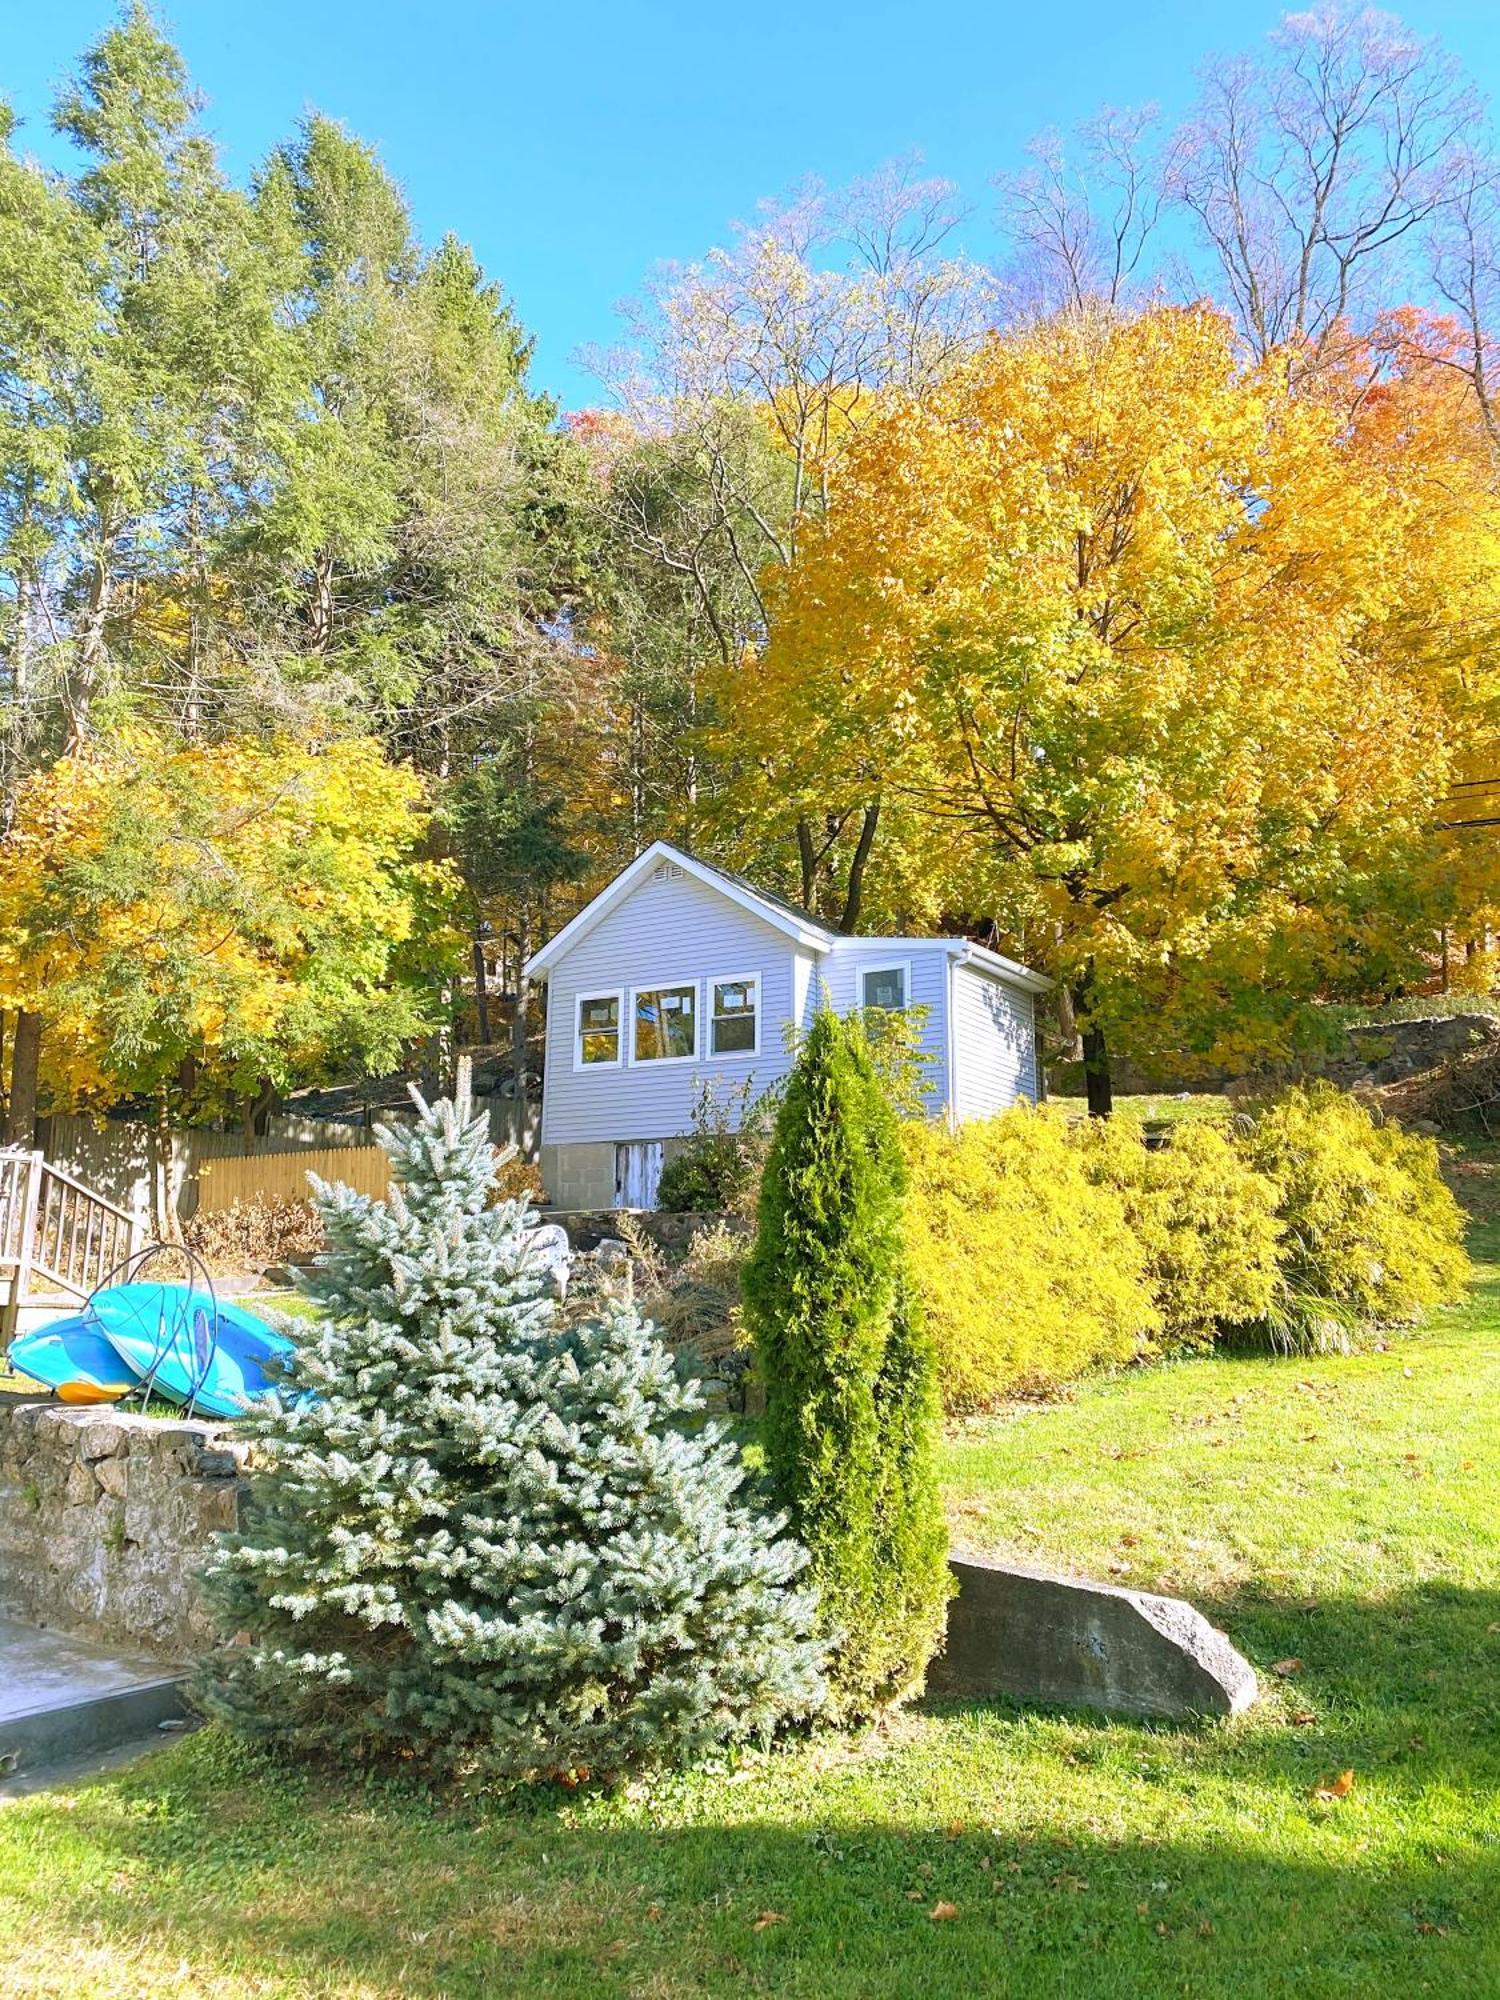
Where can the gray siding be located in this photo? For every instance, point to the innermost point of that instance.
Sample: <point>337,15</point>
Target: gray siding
<point>676,931</point>
<point>994,1043</point>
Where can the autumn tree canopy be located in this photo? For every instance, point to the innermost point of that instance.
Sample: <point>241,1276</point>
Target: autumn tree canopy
<point>194,927</point>
<point>1174,663</point>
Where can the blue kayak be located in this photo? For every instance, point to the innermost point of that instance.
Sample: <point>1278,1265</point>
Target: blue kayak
<point>72,1357</point>
<point>191,1347</point>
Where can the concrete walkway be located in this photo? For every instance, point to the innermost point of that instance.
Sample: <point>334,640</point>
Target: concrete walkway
<point>62,1699</point>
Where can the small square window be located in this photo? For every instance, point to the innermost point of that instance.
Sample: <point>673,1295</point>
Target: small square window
<point>598,1038</point>
<point>883,986</point>
<point>736,1010</point>
<point>666,1024</point>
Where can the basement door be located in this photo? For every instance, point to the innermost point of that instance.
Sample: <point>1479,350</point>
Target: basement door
<point>637,1173</point>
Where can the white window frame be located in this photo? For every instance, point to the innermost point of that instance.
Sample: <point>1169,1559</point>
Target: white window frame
<point>862,972</point>
<point>615,993</point>
<point>667,986</point>
<point>710,1053</point>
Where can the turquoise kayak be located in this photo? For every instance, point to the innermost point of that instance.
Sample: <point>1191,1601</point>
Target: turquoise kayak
<point>72,1358</point>
<point>191,1347</point>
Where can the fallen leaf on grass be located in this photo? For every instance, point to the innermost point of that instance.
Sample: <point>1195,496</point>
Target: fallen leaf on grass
<point>955,1828</point>
<point>1285,1667</point>
<point>914,1896</point>
<point>1337,1788</point>
<point>942,1913</point>
<point>1493,1626</point>
<point>766,1918</point>
<point>1302,1718</point>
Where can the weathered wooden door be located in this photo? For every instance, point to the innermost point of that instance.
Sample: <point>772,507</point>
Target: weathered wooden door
<point>637,1173</point>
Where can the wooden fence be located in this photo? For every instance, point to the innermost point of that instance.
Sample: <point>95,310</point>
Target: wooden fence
<point>275,1177</point>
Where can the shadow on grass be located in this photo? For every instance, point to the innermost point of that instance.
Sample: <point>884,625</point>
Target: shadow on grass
<point>1168,1862</point>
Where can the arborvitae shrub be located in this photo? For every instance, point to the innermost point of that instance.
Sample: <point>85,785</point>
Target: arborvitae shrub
<point>1204,1218</point>
<point>1371,1235</point>
<point>850,1425</point>
<point>1027,1270</point>
<point>488,1541</point>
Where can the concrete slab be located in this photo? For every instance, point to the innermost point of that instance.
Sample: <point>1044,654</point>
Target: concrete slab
<point>62,1698</point>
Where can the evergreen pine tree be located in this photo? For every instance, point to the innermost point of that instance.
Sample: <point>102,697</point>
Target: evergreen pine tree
<point>487,1539</point>
<point>851,1396</point>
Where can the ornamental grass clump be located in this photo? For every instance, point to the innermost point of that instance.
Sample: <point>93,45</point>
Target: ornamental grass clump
<point>851,1398</point>
<point>488,1542</point>
<point>1371,1235</point>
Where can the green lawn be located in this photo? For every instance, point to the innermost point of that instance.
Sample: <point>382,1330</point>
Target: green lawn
<point>1344,1513</point>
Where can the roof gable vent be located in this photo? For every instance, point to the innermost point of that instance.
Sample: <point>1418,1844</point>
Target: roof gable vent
<point>666,871</point>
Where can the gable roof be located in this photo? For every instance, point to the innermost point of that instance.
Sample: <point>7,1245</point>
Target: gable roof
<point>773,910</point>
<point>781,915</point>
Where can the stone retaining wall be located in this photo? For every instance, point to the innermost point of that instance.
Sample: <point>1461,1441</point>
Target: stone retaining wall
<point>106,1518</point>
<point>1374,1054</point>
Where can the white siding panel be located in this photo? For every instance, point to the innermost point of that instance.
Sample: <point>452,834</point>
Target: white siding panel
<point>994,1050</point>
<point>674,930</point>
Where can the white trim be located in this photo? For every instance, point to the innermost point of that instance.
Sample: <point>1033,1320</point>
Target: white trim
<point>950,1043</point>
<point>963,949</point>
<point>984,960</point>
<point>806,931</point>
<point>615,993</point>
<point>711,980</point>
<point>667,986</point>
<point>862,972</point>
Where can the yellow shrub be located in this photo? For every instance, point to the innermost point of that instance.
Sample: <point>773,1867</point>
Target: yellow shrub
<point>1205,1220</point>
<point>1027,1270</point>
<point>1372,1235</point>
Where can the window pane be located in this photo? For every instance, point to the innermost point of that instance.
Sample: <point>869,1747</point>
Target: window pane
<point>885,987</point>
<point>735,1032</point>
<point>733,1027</point>
<point>666,1023</point>
<point>599,1028</point>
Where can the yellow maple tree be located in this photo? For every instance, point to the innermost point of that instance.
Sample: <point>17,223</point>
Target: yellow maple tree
<point>1172,664</point>
<point>189,924</point>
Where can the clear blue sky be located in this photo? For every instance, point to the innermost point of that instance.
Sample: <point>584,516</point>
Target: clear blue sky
<point>577,145</point>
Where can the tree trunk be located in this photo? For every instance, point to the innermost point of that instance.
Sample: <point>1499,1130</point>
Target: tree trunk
<point>481,993</point>
<point>1096,1075</point>
<point>83,682</point>
<point>163,1208</point>
<point>855,893</point>
<point>518,1031</point>
<point>320,604</point>
<point>25,1059</point>
<point>809,863</point>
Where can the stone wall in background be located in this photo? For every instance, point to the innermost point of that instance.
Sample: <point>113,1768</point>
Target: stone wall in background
<point>1373,1055</point>
<point>107,1517</point>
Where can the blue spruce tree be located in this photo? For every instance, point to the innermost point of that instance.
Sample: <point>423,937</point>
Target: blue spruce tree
<point>488,1540</point>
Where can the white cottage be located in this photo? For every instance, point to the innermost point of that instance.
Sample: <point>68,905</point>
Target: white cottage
<point>680,972</point>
